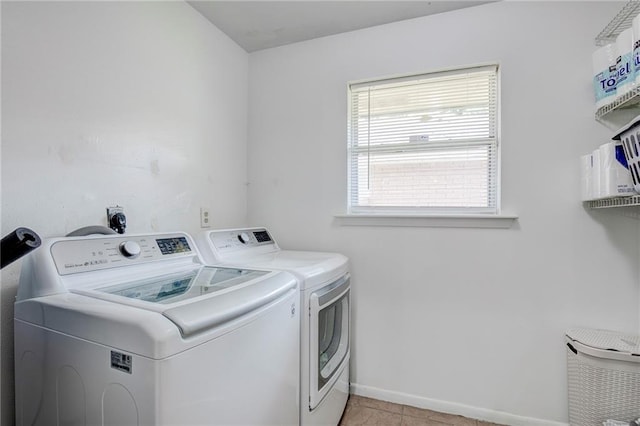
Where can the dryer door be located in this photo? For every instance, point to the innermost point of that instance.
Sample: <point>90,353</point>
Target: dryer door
<point>329,334</point>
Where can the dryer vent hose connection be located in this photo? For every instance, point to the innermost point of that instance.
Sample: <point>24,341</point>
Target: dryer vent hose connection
<point>17,244</point>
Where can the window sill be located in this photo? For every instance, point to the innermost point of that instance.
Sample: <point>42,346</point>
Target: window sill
<point>501,221</point>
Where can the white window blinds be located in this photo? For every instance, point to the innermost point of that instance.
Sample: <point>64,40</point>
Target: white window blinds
<point>425,144</point>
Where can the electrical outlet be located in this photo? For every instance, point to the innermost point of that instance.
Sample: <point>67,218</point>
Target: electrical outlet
<point>205,217</point>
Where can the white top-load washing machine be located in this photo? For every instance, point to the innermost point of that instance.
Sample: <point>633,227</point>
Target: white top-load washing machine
<point>134,330</point>
<point>324,282</point>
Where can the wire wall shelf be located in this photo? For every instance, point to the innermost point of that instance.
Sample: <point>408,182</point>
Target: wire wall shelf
<point>622,110</point>
<point>632,201</point>
<point>619,23</point>
<point>627,106</point>
<point>628,100</point>
<point>624,206</point>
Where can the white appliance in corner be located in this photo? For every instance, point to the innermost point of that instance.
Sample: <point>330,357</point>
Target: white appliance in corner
<point>324,283</point>
<point>134,330</point>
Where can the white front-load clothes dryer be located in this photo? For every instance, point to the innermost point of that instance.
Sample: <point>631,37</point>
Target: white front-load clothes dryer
<point>135,330</point>
<point>324,283</point>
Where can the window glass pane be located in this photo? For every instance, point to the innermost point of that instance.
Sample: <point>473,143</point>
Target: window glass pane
<point>425,142</point>
<point>394,115</point>
<point>457,177</point>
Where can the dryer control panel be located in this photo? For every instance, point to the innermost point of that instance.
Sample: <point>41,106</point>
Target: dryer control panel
<point>89,254</point>
<point>232,240</point>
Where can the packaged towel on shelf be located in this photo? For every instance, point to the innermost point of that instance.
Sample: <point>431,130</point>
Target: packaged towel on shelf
<point>604,74</point>
<point>615,178</point>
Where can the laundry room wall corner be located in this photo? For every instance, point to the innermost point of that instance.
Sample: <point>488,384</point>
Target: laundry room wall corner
<point>140,104</point>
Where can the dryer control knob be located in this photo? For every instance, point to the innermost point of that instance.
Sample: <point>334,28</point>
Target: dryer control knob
<point>130,249</point>
<point>243,237</point>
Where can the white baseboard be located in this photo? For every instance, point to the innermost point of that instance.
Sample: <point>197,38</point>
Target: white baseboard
<point>450,407</point>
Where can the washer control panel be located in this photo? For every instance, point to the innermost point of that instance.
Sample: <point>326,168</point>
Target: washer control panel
<point>84,255</point>
<point>240,239</point>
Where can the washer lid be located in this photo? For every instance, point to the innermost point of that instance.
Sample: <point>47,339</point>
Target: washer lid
<point>200,298</point>
<point>212,312</point>
<point>159,329</point>
<point>179,287</point>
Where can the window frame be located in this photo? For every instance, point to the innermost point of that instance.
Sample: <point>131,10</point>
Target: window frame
<point>417,212</point>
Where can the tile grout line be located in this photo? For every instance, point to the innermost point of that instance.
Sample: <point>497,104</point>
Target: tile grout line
<point>404,412</point>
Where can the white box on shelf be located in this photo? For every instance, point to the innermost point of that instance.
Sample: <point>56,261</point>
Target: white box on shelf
<point>595,174</point>
<point>615,179</point>
<point>585,177</point>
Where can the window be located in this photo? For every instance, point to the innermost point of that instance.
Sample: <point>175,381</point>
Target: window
<point>425,144</point>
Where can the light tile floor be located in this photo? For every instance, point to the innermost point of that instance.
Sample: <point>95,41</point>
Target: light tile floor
<point>363,411</point>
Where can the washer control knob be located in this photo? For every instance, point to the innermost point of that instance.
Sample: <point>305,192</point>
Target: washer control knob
<point>130,249</point>
<point>243,237</point>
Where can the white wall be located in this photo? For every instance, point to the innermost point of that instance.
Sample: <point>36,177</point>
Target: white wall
<point>471,317</point>
<point>142,104</point>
